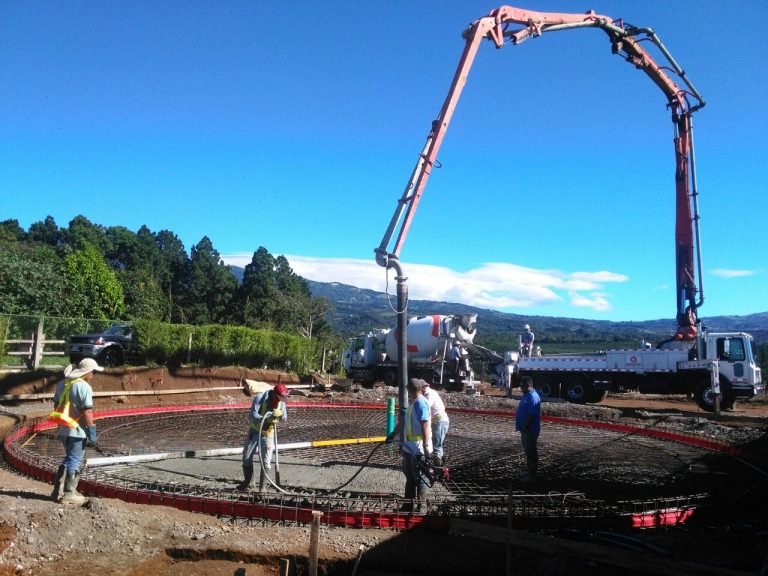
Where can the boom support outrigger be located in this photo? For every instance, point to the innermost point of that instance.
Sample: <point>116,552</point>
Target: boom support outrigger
<point>499,27</point>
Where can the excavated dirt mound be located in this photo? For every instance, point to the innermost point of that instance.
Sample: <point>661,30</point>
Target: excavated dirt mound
<point>111,537</point>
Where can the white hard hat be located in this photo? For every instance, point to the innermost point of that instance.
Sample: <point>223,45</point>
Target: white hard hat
<point>527,327</point>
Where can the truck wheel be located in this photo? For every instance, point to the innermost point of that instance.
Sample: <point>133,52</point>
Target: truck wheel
<point>706,400</point>
<point>546,388</point>
<point>578,391</point>
<point>111,357</point>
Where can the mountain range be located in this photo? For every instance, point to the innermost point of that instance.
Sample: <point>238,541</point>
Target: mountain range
<point>359,310</point>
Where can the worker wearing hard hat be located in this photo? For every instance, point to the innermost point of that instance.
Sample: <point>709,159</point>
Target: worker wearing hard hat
<point>455,357</point>
<point>526,341</point>
<point>266,409</point>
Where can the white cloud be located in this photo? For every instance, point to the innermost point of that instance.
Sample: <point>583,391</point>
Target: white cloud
<point>596,301</point>
<point>728,273</point>
<point>493,285</point>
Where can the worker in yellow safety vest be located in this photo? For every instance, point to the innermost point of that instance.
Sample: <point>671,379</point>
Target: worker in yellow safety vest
<point>73,412</point>
<point>416,445</point>
<point>267,408</point>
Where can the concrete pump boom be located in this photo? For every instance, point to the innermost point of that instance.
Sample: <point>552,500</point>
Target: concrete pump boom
<point>626,42</point>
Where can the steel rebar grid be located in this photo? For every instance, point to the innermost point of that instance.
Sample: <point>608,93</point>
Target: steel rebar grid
<point>603,469</point>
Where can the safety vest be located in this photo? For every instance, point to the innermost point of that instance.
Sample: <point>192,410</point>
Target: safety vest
<point>268,426</point>
<point>409,435</point>
<point>60,414</point>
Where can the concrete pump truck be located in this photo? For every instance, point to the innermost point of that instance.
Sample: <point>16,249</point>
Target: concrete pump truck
<point>715,367</point>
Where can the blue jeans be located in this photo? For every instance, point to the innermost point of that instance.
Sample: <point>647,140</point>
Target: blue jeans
<point>267,449</point>
<point>74,450</point>
<point>439,430</point>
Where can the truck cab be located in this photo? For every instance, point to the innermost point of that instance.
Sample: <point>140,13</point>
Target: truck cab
<point>736,356</point>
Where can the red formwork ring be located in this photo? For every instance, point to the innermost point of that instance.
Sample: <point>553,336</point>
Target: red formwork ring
<point>364,519</point>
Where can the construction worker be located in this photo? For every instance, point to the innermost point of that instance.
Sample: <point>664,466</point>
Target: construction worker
<point>266,409</point>
<point>440,421</point>
<point>455,358</point>
<point>528,423</point>
<point>526,341</point>
<point>416,445</point>
<point>73,412</point>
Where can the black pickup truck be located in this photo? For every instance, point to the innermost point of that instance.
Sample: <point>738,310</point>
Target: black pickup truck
<point>109,348</point>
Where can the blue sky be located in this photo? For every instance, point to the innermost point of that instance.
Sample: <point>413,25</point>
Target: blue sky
<point>296,127</point>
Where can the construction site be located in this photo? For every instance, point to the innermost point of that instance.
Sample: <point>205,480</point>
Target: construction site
<point>652,461</point>
<point>674,486</point>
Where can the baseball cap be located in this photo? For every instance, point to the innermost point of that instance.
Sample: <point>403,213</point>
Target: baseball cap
<point>281,390</point>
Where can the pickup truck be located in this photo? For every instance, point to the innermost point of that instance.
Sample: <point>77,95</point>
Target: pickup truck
<point>109,348</point>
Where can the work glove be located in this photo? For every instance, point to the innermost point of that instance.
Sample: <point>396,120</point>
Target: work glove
<point>90,434</point>
<point>277,413</point>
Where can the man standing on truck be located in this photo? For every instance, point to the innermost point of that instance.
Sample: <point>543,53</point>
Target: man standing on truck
<point>454,358</point>
<point>73,412</point>
<point>416,446</point>
<point>526,341</point>
<point>266,409</point>
<point>528,423</point>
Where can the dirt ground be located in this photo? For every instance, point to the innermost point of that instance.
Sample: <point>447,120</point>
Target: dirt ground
<point>111,537</point>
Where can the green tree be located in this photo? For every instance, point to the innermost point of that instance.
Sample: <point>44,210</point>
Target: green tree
<point>144,298</point>
<point>35,281</point>
<point>82,231</point>
<point>92,277</point>
<point>174,278</point>
<point>211,286</point>
<point>120,251</point>
<point>11,231</point>
<point>46,232</point>
<point>256,301</point>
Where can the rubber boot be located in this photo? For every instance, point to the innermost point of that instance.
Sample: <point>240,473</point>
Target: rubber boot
<point>421,500</point>
<point>247,483</point>
<point>262,482</point>
<point>58,483</point>
<point>71,495</point>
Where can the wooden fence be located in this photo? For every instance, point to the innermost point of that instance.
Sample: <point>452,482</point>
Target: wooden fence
<point>33,349</point>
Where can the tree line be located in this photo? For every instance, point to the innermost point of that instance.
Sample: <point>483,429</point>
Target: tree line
<point>86,270</point>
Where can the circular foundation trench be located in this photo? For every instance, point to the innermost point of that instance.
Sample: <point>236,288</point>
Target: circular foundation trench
<point>332,458</point>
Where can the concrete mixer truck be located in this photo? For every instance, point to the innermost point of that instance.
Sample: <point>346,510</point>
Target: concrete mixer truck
<point>372,357</point>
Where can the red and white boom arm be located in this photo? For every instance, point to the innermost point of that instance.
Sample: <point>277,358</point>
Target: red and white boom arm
<point>626,40</point>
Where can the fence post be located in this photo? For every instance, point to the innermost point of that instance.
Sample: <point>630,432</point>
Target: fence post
<point>37,346</point>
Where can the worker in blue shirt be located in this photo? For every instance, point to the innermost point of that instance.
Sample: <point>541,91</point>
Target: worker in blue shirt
<point>528,423</point>
<point>416,446</point>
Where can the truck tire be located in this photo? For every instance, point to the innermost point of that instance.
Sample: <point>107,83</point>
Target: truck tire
<point>706,400</point>
<point>546,387</point>
<point>578,391</point>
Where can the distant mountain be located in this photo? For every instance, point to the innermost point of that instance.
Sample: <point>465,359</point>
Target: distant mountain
<point>358,310</point>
